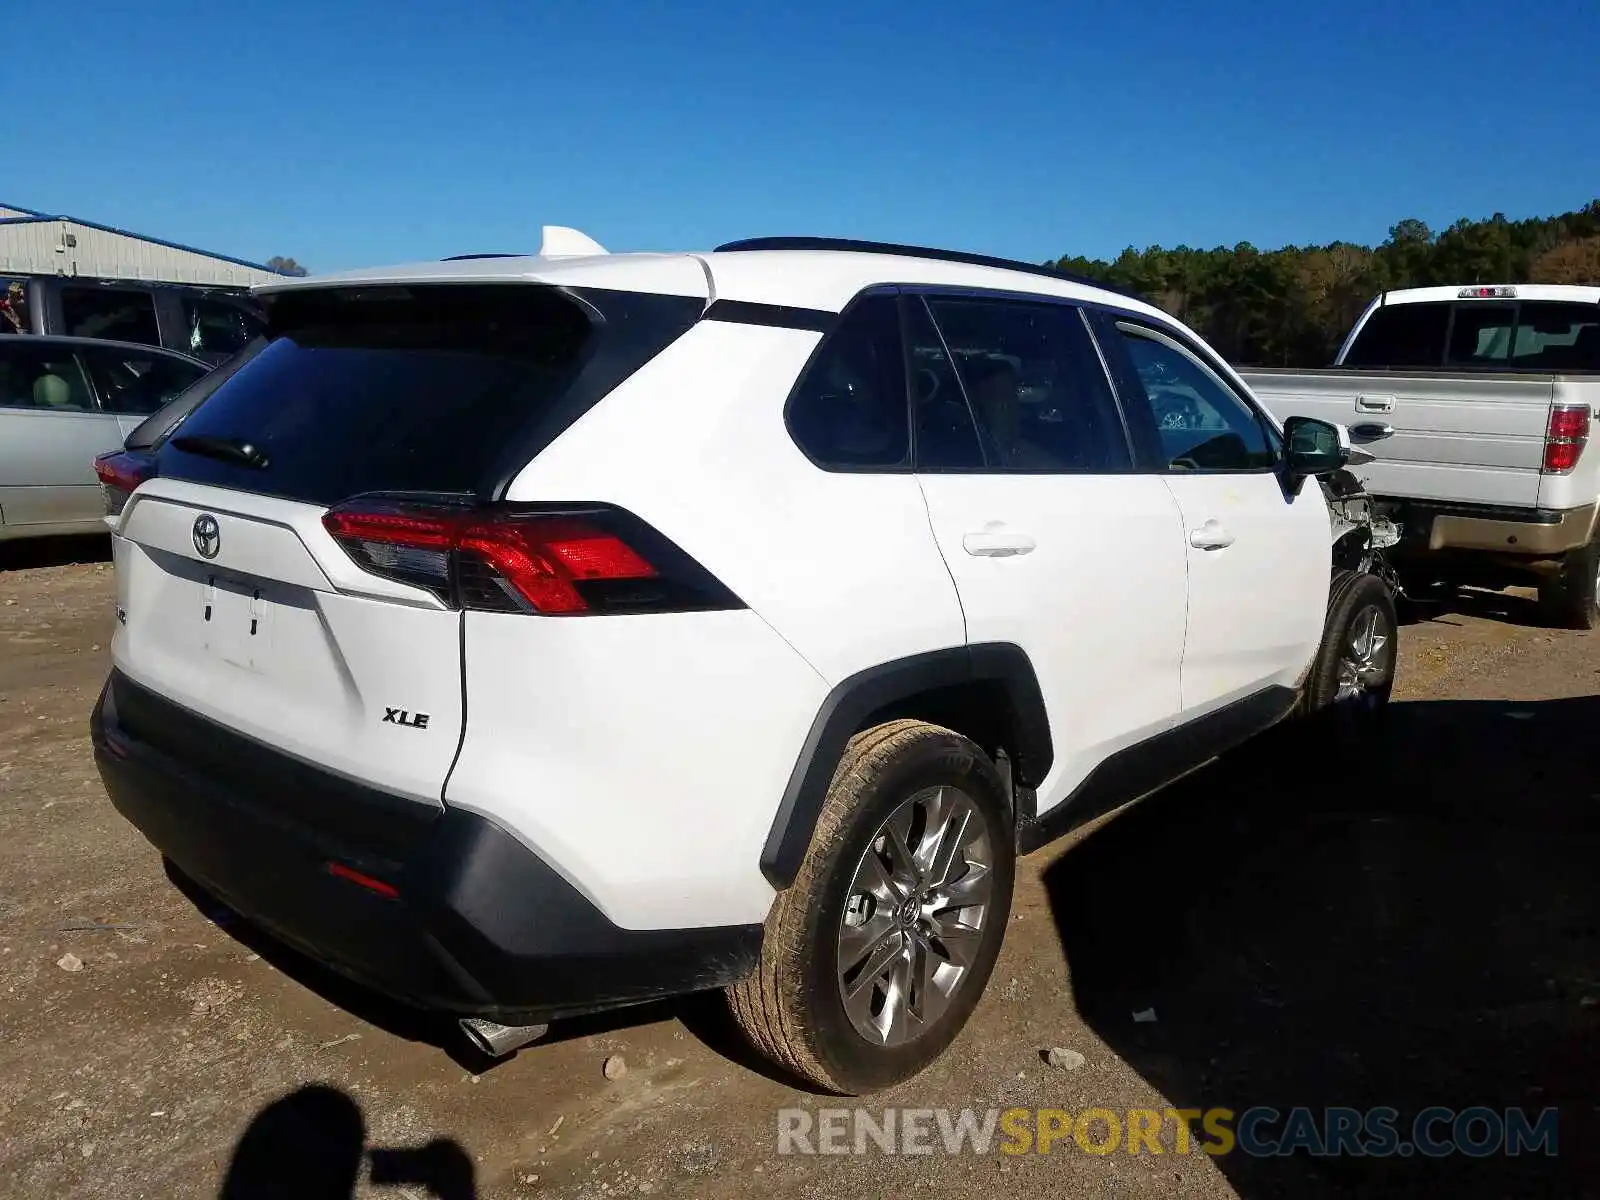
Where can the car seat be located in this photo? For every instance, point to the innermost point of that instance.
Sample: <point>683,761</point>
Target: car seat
<point>52,391</point>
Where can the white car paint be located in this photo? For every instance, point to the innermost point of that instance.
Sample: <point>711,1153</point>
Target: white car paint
<point>644,757</point>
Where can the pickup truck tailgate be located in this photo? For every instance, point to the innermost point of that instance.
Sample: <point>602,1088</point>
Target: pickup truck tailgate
<point>1436,436</point>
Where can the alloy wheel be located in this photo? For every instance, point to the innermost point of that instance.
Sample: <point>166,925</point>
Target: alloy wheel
<point>1367,662</point>
<point>915,915</point>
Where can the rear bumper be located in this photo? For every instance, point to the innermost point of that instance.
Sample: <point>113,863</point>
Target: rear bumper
<point>478,924</point>
<point>1531,533</point>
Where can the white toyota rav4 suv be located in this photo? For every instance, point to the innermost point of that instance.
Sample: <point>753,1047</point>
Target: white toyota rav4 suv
<point>528,636</point>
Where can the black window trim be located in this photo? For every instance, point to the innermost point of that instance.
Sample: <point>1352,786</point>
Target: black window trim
<point>922,291</point>
<point>773,316</point>
<point>920,298</point>
<point>1213,366</point>
<point>1145,452</point>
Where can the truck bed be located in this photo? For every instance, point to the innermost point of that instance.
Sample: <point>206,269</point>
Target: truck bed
<point>1455,437</point>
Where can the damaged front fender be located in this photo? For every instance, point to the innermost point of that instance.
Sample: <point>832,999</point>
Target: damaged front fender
<point>1359,534</point>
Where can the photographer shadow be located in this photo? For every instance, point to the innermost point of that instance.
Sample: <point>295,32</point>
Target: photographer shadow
<point>311,1144</point>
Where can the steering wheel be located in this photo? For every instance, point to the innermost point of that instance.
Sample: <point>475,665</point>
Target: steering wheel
<point>1174,410</point>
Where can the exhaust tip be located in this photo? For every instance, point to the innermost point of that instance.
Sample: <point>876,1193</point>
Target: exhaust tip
<point>497,1040</point>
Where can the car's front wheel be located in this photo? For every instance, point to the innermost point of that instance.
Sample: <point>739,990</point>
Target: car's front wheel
<point>877,955</point>
<point>1352,677</point>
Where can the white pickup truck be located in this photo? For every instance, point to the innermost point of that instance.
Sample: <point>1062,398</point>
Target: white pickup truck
<point>1476,403</point>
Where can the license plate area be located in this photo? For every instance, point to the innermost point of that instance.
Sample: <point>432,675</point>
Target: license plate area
<point>236,621</point>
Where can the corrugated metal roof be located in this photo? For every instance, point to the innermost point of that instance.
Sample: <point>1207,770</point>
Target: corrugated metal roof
<point>33,217</point>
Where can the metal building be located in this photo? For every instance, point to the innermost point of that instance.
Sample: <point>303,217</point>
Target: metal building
<point>35,243</point>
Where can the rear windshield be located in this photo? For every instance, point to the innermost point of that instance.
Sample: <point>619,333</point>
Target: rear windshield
<point>1533,335</point>
<point>432,389</point>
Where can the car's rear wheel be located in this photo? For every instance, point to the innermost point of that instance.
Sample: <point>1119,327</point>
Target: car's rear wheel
<point>877,955</point>
<point>1571,598</point>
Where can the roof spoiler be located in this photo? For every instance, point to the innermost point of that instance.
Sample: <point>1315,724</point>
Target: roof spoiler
<point>562,242</point>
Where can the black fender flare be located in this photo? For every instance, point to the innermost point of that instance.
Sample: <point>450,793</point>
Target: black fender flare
<point>855,698</point>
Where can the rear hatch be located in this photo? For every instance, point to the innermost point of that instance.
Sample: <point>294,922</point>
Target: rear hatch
<point>241,599</point>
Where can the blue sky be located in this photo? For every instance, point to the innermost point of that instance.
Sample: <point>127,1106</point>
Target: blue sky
<point>356,132</point>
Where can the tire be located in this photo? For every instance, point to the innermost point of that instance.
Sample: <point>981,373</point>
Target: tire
<point>792,1008</point>
<point>1344,687</point>
<point>1571,599</point>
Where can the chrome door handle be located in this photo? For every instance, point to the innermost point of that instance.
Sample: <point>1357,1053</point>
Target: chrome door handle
<point>994,544</point>
<point>1375,404</point>
<point>1210,536</point>
<point>1371,431</point>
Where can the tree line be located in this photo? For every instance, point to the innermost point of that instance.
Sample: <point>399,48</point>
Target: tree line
<point>1292,307</point>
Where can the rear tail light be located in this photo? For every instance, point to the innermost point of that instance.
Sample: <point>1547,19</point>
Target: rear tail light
<point>120,472</point>
<point>551,560</point>
<point>1566,437</point>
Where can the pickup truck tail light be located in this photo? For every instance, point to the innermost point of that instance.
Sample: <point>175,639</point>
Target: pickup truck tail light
<point>1566,437</point>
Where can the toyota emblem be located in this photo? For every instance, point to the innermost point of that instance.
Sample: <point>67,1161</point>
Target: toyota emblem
<point>207,535</point>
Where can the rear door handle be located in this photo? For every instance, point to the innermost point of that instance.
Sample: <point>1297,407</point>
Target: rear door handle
<point>1371,431</point>
<point>1210,536</point>
<point>1375,404</point>
<point>992,543</point>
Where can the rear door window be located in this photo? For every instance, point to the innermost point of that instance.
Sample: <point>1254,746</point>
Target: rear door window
<point>124,315</point>
<point>137,384</point>
<point>1034,384</point>
<point>422,390</point>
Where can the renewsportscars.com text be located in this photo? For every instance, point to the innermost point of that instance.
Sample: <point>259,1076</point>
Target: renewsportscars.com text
<point>1260,1131</point>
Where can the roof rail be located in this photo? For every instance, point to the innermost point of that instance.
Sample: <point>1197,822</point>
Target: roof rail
<point>855,246</point>
<point>466,257</point>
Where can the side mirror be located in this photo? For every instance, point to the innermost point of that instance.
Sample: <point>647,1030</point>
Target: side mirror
<point>1313,447</point>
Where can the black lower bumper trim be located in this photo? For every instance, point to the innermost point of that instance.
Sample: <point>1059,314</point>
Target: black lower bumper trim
<point>478,924</point>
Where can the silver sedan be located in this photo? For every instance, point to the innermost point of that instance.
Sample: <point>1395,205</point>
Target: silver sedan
<point>63,401</point>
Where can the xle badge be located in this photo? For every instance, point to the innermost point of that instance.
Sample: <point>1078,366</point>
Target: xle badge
<point>399,716</point>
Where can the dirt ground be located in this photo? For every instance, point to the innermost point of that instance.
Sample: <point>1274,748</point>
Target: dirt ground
<point>1415,927</point>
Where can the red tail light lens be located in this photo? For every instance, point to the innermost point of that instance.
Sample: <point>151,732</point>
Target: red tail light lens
<point>552,561</point>
<point>544,560</point>
<point>120,472</point>
<point>1566,437</point>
